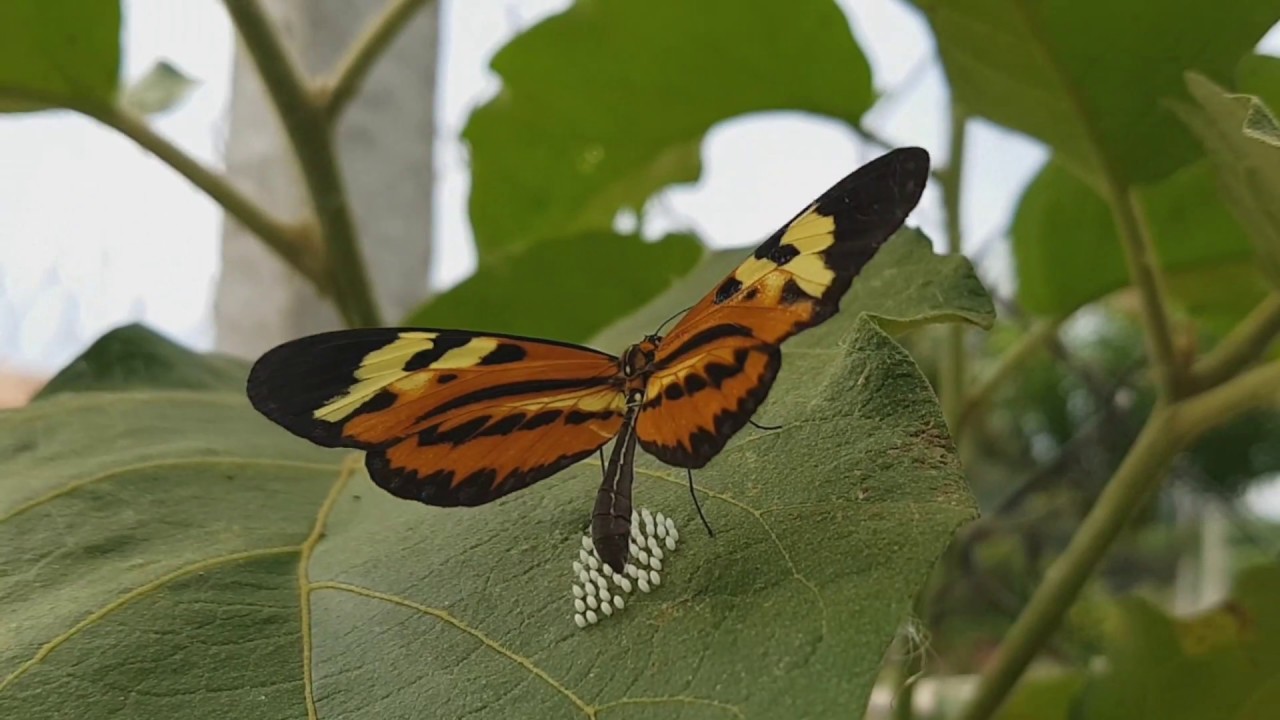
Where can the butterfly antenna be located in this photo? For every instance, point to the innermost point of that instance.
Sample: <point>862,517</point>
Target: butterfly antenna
<point>673,317</point>
<point>758,426</point>
<point>702,517</point>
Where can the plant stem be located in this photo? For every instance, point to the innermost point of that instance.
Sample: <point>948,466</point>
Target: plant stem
<point>1246,342</point>
<point>1257,388</point>
<point>295,244</point>
<point>1032,340</point>
<point>351,72</point>
<point>309,131</point>
<point>1138,474</point>
<point>951,384</point>
<point>1135,237</point>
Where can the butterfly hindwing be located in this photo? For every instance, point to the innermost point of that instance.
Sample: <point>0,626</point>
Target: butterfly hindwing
<point>719,362</point>
<point>446,417</point>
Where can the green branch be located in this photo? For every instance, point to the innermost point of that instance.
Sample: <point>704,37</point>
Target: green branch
<point>295,244</point>
<point>1144,273</point>
<point>308,129</point>
<point>1243,346</point>
<point>1140,472</point>
<point>351,72</point>
<point>951,383</point>
<point>1257,388</point>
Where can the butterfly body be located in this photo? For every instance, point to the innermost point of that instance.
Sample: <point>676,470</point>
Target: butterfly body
<point>461,418</point>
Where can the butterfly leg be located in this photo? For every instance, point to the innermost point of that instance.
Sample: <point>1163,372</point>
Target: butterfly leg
<point>602,470</point>
<point>758,426</point>
<point>697,506</point>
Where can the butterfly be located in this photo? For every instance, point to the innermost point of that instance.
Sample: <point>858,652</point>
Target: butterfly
<point>461,418</point>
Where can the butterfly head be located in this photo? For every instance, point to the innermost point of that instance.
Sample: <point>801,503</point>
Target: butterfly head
<point>637,361</point>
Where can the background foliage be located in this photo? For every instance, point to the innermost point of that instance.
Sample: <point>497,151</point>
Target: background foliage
<point>1129,378</point>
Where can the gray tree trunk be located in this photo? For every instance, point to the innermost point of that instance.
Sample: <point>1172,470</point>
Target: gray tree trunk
<point>385,151</point>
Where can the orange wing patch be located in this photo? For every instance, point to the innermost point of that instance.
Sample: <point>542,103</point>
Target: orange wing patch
<point>447,417</point>
<point>701,398</point>
<point>719,362</point>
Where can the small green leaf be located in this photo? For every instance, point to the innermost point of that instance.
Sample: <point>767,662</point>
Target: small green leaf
<point>1068,253</point>
<point>1089,77</point>
<point>1224,663</point>
<point>163,87</point>
<point>608,102</point>
<point>135,356</point>
<point>58,52</point>
<point>1248,169</point>
<point>566,289</point>
<point>164,547</point>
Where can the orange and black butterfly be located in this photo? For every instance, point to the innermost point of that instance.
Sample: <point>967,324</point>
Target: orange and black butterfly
<point>454,417</point>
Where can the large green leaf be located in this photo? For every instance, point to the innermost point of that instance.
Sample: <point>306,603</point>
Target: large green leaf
<point>1223,664</point>
<point>1089,77</point>
<point>58,52</point>
<point>606,103</point>
<point>1068,253</point>
<point>1248,168</point>
<point>170,553</point>
<point>567,289</point>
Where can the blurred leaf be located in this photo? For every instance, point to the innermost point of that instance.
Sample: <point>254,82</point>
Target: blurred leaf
<point>1089,77</point>
<point>1044,696</point>
<point>1248,169</point>
<point>1239,453</point>
<point>905,285</point>
<point>1222,664</point>
<point>160,89</point>
<point>202,536</point>
<point>58,52</point>
<point>135,356</point>
<point>607,103</point>
<point>1068,253</point>
<point>567,289</point>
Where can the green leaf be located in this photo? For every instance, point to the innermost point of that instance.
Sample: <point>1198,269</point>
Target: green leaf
<point>167,549</point>
<point>905,285</point>
<point>567,289</point>
<point>163,87</point>
<point>1224,663</point>
<point>135,356</point>
<point>608,102</point>
<point>1068,253</point>
<point>1089,77</point>
<point>58,52</point>
<point>1248,169</point>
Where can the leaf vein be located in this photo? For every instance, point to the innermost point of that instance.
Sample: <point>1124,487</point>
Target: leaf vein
<point>136,467</point>
<point>135,594</point>
<point>448,618</point>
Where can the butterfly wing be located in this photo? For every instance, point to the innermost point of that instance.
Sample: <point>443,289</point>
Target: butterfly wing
<point>445,417</point>
<point>716,366</point>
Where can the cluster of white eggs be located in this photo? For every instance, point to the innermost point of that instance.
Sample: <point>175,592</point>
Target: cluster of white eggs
<point>598,591</point>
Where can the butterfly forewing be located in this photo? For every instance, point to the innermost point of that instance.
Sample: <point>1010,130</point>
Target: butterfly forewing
<point>716,366</point>
<point>447,417</point>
